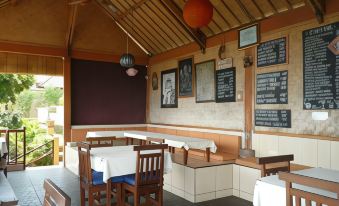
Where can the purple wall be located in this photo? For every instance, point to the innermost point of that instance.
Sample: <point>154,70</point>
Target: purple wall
<point>102,93</point>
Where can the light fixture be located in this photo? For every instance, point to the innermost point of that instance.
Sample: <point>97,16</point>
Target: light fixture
<point>131,72</point>
<point>127,59</point>
<point>198,13</point>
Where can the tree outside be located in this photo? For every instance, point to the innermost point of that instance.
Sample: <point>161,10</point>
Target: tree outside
<point>20,98</point>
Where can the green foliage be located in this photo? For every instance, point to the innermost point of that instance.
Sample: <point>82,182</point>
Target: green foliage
<point>10,120</point>
<point>52,95</point>
<point>13,84</point>
<point>24,102</point>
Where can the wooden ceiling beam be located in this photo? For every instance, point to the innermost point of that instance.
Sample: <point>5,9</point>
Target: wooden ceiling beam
<point>289,5</point>
<point>275,11</point>
<point>258,8</point>
<point>231,12</point>
<point>318,7</point>
<point>244,10</point>
<point>198,36</point>
<point>73,12</point>
<point>131,9</point>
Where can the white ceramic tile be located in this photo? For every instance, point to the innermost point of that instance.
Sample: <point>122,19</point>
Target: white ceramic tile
<point>178,176</point>
<point>178,192</point>
<point>309,152</point>
<point>168,188</point>
<point>248,178</point>
<point>189,197</point>
<point>236,193</point>
<point>324,154</point>
<point>268,145</point>
<point>246,196</point>
<point>335,155</point>
<point>168,178</point>
<point>255,144</point>
<point>223,193</point>
<point>289,145</point>
<point>236,173</point>
<point>205,180</point>
<point>224,177</point>
<point>189,180</point>
<point>205,197</point>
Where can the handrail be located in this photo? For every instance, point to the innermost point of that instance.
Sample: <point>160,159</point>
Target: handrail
<point>32,150</point>
<point>41,157</point>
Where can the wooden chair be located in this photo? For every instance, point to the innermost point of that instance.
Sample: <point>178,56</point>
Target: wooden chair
<point>274,164</point>
<point>90,180</point>
<point>308,196</point>
<point>149,176</point>
<point>54,195</point>
<point>101,142</point>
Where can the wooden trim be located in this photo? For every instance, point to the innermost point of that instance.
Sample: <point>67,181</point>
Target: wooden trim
<point>22,48</point>
<point>308,136</point>
<point>195,127</point>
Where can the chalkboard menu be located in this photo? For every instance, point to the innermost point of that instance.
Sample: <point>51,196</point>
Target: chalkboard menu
<point>272,88</point>
<point>225,85</point>
<point>321,67</point>
<point>272,52</point>
<point>273,118</point>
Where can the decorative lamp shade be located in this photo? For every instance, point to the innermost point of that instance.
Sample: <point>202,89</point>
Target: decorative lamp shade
<point>198,13</point>
<point>127,60</point>
<point>131,72</point>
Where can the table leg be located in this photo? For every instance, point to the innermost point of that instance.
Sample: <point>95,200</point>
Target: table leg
<point>173,150</point>
<point>185,156</point>
<point>208,154</point>
<point>119,194</point>
<point>108,192</point>
<point>127,140</point>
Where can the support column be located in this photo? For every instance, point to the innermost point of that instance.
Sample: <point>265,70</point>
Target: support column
<point>67,100</point>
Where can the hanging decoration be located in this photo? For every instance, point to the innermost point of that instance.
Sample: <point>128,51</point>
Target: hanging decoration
<point>198,13</point>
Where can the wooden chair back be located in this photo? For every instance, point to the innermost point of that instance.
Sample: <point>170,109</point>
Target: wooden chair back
<point>152,140</point>
<point>150,166</point>
<point>101,142</point>
<point>274,164</point>
<point>85,169</point>
<point>54,196</point>
<point>319,200</point>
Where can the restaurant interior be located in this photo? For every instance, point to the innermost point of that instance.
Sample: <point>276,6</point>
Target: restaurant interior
<point>180,102</point>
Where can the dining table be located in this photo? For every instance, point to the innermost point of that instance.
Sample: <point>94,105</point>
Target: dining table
<point>271,189</point>
<point>3,152</point>
<point>173,141</point>
<point>119,161</point>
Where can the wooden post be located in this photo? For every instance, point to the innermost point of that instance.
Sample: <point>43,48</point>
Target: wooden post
<point>56,150</point>
<point>67,103</point>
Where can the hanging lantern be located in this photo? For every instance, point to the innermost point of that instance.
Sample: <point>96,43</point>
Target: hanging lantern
<point>198,13</point>
<point>127,60</point>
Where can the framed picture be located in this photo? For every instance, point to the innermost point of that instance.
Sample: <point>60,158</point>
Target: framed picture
<point>205,81</point>
<point>154,81</point>
<point>248,36</point>
<point>185,77</point>
<point>169,97</point>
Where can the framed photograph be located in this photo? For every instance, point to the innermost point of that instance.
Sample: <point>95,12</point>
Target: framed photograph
<point>169,97</point>
<point>205,81</point>
<point>248,36</point>
<point>185,77</point>
<point>154,81</point>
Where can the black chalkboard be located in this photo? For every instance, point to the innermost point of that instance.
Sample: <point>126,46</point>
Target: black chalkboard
<point>321,67</point>
<point>272,88</point>
<point>272,52</point>
<point>225,85</point>
<point>273,118</point>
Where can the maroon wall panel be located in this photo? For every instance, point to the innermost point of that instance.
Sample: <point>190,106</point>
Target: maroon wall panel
<point>102,93</point>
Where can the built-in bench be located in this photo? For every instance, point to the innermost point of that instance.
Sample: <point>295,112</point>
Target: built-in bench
<point>7,195</point>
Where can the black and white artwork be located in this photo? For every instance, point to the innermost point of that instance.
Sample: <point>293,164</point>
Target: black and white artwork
<point>186,77</point>
<point>169,97</point>
<point>205,81</point>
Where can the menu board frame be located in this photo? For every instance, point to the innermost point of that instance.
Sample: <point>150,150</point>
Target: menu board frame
<point>286,52</point>
<point>327,102</point>
<point>289,118</point>
<point>221,100</point>
<point>256,88</point>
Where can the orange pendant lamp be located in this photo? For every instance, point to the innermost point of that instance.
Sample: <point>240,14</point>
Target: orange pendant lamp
<point>198,13</point>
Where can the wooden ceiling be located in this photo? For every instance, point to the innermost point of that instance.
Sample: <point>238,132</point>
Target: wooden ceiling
<point>158,24</point>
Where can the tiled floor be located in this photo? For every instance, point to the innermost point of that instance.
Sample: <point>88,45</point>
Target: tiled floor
<point>28,186</point>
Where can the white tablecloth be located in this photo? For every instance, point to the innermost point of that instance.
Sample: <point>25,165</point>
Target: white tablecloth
<point>271,189</point>
<point>171,140</point>
<point>3,146</point>
<point>120,160</point>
